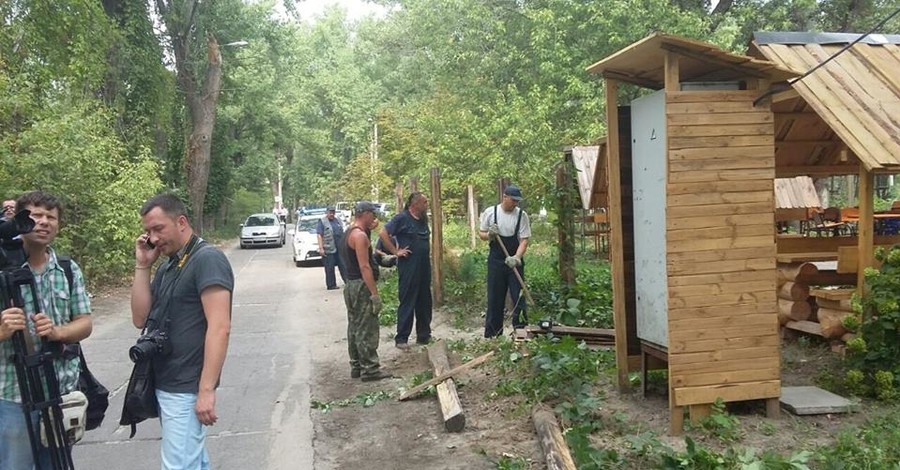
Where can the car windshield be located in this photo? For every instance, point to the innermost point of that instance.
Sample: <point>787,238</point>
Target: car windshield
<point>307,225</point>
<point>260,221</point>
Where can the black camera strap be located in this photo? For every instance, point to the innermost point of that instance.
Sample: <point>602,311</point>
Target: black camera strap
<point>161,317</point>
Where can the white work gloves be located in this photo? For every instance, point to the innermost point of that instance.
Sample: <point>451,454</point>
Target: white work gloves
<point>513,262</point>
<point>493,231</point>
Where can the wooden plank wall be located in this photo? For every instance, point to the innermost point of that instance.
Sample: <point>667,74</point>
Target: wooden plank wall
<point>723,327</point>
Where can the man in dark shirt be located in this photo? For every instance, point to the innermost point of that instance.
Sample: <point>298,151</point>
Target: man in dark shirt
<point>413,251</point>
<point>192,290</point>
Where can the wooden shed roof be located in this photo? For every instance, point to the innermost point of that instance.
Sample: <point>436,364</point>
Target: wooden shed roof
<point>856,94</point>
<point>590,162</point>
<point>643,63</point>
<point>796,193</point>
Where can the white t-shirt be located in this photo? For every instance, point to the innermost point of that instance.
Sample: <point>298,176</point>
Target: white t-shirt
<point>506,221</point>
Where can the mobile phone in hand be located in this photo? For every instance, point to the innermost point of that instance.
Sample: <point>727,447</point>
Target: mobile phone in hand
<point>149,243</point>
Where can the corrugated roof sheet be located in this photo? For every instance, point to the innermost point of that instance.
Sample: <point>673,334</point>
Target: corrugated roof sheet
<point>643,63</point>
<point>857,93</point>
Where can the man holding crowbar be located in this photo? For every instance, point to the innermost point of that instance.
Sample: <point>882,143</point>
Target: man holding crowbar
<point>507,228</point>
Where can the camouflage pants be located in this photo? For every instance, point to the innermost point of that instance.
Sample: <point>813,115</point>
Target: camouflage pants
<point>362,328</point>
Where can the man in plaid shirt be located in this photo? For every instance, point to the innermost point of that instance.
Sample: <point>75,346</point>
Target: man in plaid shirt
<point>63,316</point>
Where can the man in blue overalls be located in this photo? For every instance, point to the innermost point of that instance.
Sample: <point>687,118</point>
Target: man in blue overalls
<point>508,224</point>
<point>413,251</point>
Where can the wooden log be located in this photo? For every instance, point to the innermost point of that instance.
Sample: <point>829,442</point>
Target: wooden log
<point>832,322</point>
<point>556,451</point>
<point>793,271</point>
<point>812,328</point>
<point>793,291</point>
<point>790,310</point>
<point>446,375</point>
<point>828,278</point>
<point>451,408</point>
<point>833,304</point>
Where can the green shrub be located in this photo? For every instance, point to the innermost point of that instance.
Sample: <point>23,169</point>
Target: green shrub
<point>874,445</point>
<point>874,355</point>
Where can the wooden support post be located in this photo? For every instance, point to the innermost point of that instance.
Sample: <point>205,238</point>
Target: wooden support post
<point>616,255</point>
<point>437,239</point>
<point>773,408</point>
<point>566,224</point>
<point>866,226</point>
<point>398,193</point>
<point>556,451</point>
<point>502,183</point>
<point>699,412</point>
<point>451,408</point>
<point>473,216</point>
<point>676,419</point>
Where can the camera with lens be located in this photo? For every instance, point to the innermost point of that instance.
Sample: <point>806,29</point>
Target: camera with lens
<point>12,255</point>
<point>149,345</point>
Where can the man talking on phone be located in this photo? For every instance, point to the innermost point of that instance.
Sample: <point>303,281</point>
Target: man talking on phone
<point>192,290</point>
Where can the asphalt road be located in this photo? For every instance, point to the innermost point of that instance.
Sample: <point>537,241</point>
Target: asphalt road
<point>263,400</point>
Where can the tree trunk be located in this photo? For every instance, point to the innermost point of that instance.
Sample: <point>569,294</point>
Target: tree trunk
<point>201,104</point>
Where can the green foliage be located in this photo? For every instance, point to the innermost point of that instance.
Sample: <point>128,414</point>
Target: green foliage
<point>388,290</point>
<point>508,462</point>
<point>720,424</point>
<point>556,369</point>
<point>874,355</point>
<point>364,399</point>
<point>588,457</point>
<point>874,445</point>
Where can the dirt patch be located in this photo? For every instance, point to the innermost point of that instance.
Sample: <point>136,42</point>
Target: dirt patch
<point>391,434</point>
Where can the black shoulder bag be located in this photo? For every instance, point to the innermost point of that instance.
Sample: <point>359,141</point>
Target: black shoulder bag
<point>140,397</point>
<point>97,395</point>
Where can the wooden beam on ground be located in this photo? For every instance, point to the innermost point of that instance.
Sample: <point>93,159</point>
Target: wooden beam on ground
<point>437,239</point>
<point>451,408</point>
<point>446,375</point>
<point>553,443</point>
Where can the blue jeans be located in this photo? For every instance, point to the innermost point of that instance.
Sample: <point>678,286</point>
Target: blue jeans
<point>15,446</point>
<point>330,260</point>
<point>183,436</point>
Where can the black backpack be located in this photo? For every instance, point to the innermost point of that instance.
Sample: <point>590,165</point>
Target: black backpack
<point>96,393</point>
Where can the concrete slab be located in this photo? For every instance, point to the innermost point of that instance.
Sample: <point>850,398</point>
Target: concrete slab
<point>813,401</point>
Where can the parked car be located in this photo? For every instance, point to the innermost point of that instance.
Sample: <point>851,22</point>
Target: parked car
<point>305,241</point>
<point>262,230</point>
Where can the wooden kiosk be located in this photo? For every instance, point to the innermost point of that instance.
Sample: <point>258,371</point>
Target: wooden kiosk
<point>691,203</point>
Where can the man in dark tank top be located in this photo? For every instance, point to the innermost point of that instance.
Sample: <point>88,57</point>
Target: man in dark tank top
<point>361,295</point>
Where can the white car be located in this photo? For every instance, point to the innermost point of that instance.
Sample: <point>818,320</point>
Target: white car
<point>306,242</point>
<point>262,230</point>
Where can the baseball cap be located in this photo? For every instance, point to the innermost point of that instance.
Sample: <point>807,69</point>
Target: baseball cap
<point>365,206</point>
<point>514,192</point>
<point>329,209</point>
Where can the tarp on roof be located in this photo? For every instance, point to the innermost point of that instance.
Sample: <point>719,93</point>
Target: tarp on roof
<point>590,165</point>
<point>857,93</point>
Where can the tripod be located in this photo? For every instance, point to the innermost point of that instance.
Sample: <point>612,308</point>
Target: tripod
<point>35,371</point>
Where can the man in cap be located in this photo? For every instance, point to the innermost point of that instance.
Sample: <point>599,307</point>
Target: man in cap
<point>361,295</point>
<point>508,224</point>
<point>330,232</point>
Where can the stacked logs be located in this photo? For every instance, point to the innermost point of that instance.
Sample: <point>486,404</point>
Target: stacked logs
<point>793,291</point>
<point>820,313</point>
